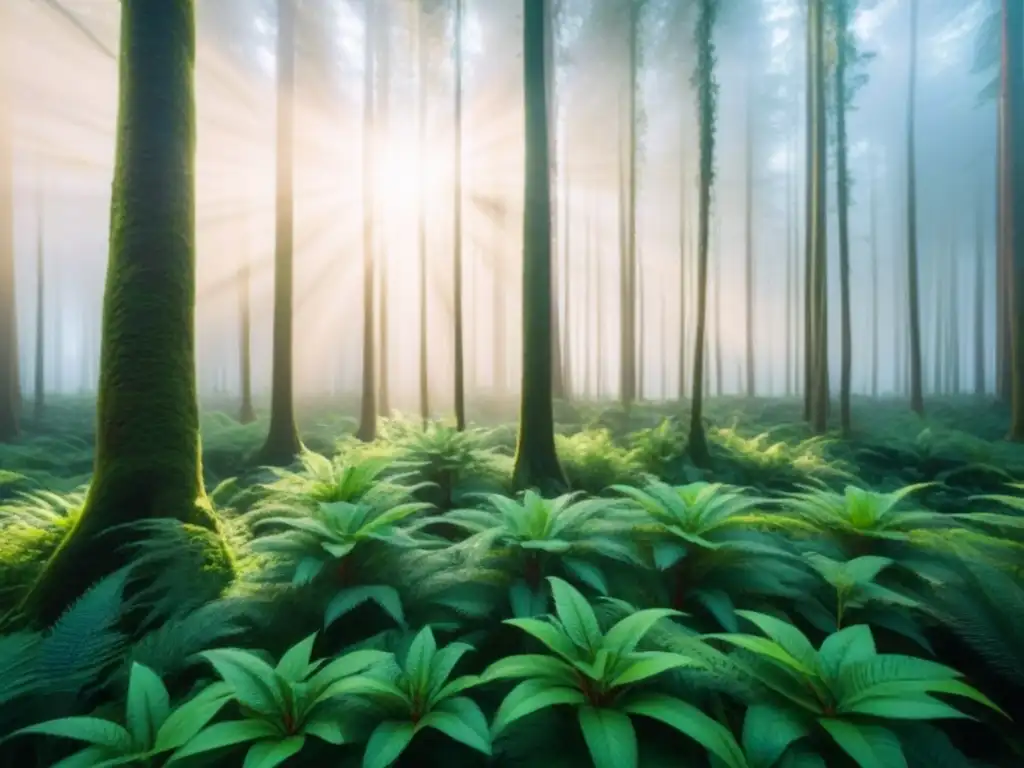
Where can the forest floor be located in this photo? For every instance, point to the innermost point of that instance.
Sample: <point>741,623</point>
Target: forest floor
<point>422,529</point>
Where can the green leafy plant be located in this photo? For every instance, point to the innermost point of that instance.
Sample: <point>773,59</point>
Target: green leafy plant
<point>151,726</point>
<point>845,687</point>
<point>602,675</point>
<point>712,543</point>
<point>857,598</point>
<point>280,706</point>
<point>592,460</point>
<point>419,693</point>
<point>528,539</point>
<point>331,533</point>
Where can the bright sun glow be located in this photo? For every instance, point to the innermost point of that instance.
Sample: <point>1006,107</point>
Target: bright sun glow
<point>402,174</point>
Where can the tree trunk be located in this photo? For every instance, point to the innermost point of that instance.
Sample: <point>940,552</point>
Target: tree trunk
<point>706,94</point>
<point>748,233</point>
<point>536,464</point>
<point>916,391</point>
<point>630,373</point>
<point>247,414</point>
<point>874,281</point>
<point>283,444</point>
<point>842,196</point>
<point>367,431</point>
<point>567,369</point>
<point>790,275</point>
<point>38,401</point>
<point>551,94</point>
<point>979,296</point>
<point>953,324</point>
<point>10,390</point>
<point>421,208</point>
<point>499,350</point>
<point>719,377</point>
<point>460,387</point>
<point>147,461</point>
<point>817,223</point>
<point>1013,89</point>
<point>683,236</point>
<point>809,171</point>
<point>1003,268</point>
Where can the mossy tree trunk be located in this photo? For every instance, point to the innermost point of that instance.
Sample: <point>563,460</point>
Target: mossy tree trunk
<point>536,464</point>
<point>283,444</point>
<point>10,394</point>
<point>817,221</point>
<point>707,96</point>
<point>147,441</point>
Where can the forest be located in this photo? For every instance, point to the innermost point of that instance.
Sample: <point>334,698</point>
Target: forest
<point>563,383</point>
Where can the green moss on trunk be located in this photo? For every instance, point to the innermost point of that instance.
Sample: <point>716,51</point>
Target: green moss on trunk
<point>536,464</point>
<point>147,441</point>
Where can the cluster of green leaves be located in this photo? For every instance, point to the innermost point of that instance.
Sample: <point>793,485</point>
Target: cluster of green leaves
<point>820,576</point>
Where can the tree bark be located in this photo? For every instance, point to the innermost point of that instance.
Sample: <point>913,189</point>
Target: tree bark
<point>979,296</point>
<point>367,430</point>
<point>39,397</point>
<point>1013,69</point>
<point>460,387</point>
<point>536,464</point>
<point>147,461</point>
<point>10,389</point>
<point>842,196</point>
<point>707,92</point>
<point>283,444</point>
<point>916,389</point>
<point>421,208</point>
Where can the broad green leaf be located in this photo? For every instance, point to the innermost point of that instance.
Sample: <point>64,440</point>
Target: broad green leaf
<point>908,707</point>
<point>532,696</point>
<point>469,712</point>
<point>452,726</point>
<point>147,707</point>
<point>624,636</point>
<point>387,742</point>
<point>91,730</point>
<point>420,657</point>
<point>378,690</point>
<point>610,738</point>
<point>764,647</point>
<point>252,680</point>
<point>575,614</point>
<point>293,664</point>
<point>870,746</point>
<point>553,637</point>
<point>190,718</point>
<point>347,600</point>
<point>691,722</point>
<point>720,606</point>
<point>553,546</point>
<point>642,666</point>
<point>226,734</point>
<point>865,568</point>
<point>848,645</point>
<point>667,554</point>
<point>325,726</point>
<point>530,665</point>
<point>269,754</point>
<point>90,757</point>
<point>344,666</point>
<point>455,687</point>
<point>791,639</point>
<point>445,661</point>
<point>587,573</point>
<point>768,731</point>
<point>338,550</point>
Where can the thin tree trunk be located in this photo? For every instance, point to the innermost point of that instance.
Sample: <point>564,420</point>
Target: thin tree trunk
<point>748,229</point>
<point>567,368</point>
<point>368,410</point>
<point>247,413</point>
<point>979,296</point>
<point>842,196</point>
<point>916,392</point>
<point>38,403</point>
<point>10,389</point>
<point>706,88</point>
<point>421,209</point>
<point>460,385</point>
<point>283,444</point>
<point>1013,90</point>
<point>874,281</point>
<point>817,224</point>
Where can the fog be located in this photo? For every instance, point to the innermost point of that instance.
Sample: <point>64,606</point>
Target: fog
<point>64,101</point>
